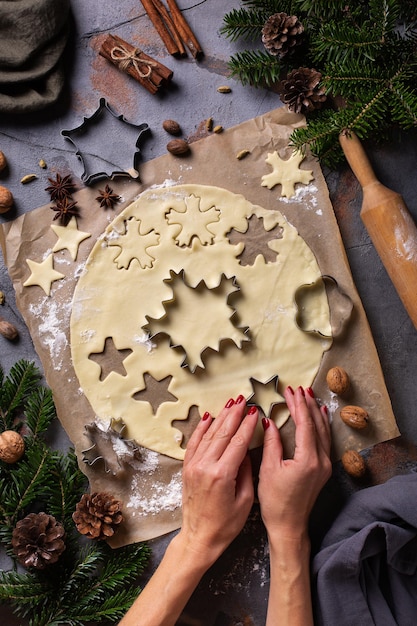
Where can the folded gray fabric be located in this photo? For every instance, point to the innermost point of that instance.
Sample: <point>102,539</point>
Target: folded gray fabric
<point>366,570</point>
<point>33,36</point>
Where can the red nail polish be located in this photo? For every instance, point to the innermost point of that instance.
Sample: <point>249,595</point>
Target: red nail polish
<point>310,392</point>
<point>230,403</point>
<point>239,399</point>
<point>252,410</point>
<point>326,410</point>
<point>265,423</point>
<point>290,389</point>
<point>206,416</point>
<point>301,390</point>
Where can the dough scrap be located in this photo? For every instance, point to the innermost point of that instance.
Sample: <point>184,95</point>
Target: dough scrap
<point>42,274</point>
<point>286,173</point>
<point>69,237</point>
<point>124,304</point>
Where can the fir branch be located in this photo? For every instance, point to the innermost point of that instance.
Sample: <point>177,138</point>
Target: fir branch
<point>27,482</point>
<point>21,381</point>
<point>63,493</point>
<point>22,589</point>
<point>39,411</point>
<point>255,67</point>
<point>243,24</point>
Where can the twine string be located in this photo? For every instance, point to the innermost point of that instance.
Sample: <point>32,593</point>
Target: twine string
<point>125,58</point>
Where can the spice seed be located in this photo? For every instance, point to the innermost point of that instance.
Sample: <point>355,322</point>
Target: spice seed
<point>209,123</point>
<point>42,164</point>
<point>218,129</point>
<point>224,89</point>
<point>242,154</point>
<point>28,178</point>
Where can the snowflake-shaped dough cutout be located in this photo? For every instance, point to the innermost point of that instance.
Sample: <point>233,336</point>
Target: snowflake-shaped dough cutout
<point>286,173</point>
<point>186,316</point>
<point>134,244</point>
<point>193,222</point>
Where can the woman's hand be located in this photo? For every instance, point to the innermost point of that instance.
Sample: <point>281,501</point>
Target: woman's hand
<point>288,488</point>
<point>217,480</point>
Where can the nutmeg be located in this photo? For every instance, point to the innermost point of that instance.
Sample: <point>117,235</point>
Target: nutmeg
<point>6,199</point>
<point>172,127</point>
<point>338,381</point>
<point>353,463</point>
<point>7,329</point>
<point>12,446</point>
<point>178,147</point>
<point>354,416</point>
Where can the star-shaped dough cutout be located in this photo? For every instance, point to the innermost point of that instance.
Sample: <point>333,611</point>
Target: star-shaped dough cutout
<point>69,237</point>
<point>42,274</point>
<point>155,391</point>
<point>286,173</point>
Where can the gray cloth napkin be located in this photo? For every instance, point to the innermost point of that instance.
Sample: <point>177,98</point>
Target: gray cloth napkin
<point>366,569</point>
<point>33,36</point>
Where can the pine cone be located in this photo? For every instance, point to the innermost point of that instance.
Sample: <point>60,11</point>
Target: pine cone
<point>301,90</point>
<point>97,515</point>
<point>282,33</point>
<point>38,540</point>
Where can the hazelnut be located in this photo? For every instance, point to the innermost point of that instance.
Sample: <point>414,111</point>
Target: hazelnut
<point>353,464</point>
<point>338,381</point>
<point>178,147</point>
<point>6,199</point>
<point>355,417</point>
<point>12,446</point>
<point>3,161</point>
<point>172,127</point>
<point>7,329</point>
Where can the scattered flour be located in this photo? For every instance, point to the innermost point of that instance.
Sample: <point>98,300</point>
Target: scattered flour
<point>164,497</point>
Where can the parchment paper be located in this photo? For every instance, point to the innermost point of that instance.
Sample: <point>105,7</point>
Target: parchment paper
<point>212,161</point>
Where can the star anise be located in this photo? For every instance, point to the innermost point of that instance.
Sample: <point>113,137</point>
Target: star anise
<point>60,188</point>
<point>107,197</point>
<point>64,210</point>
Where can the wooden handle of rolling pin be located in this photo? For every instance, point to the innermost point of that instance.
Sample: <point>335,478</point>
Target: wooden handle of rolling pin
<point>389,224</point>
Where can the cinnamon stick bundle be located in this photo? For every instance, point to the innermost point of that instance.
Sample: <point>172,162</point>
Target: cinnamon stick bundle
<point>144,69</point>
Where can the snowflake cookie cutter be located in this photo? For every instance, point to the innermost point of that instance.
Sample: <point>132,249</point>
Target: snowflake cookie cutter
<point>108,446</point>
<point>242,330</point>
<point>105,116</point>
<point>340,305</point>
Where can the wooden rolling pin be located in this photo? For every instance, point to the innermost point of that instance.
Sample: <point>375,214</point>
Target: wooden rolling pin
<point>389,224</point>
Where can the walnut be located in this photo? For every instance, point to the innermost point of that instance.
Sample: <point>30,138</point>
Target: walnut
<point>355,417</point>
<point>353,463</point>
<point>6,199</point>
<point>3,161</point>
<point>338,381</point>
<point>7,330</point>
<point>12,446</point>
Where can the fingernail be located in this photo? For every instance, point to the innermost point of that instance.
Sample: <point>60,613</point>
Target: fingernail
<point>290,389</point>
<point>252,410</point>
<point>310,392</point>
<point>205,416</point>
<point>239,399</point>
<point>230,403</point>
<point>265,423</point>
<point>301,390</point>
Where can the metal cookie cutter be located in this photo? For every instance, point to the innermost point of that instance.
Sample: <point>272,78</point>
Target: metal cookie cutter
<point>101,141</point>
<point>340,304</point>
